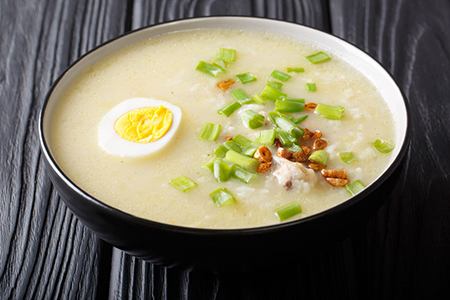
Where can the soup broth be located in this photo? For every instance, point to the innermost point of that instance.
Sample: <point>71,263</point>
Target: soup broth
<point>164,68</point>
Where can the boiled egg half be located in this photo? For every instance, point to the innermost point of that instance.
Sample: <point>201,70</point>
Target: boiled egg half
<point>138,127</point>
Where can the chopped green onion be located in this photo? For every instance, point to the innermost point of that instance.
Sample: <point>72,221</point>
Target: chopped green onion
<point>250,151</point>
<point>222,196</point>
<point>311,87</point>
<point>248,163</point>
<point>285,138</point>
<point>298,120</point>
<point>286,124</point>
<point>246,77</point>
<point>232,145</point>
<point>289,106</point>
<point>383,146</point>
<point>210,132</point>
<point>355,187</point>
<point>317,57</point>
<point>241,96</point>
<point>258,99</point>
<point>221,170</point>
<point>227,55</point>
<point>347,157</point>
<point>182,183</point>
<point>334,112</point>
<point>294,148</point>
<point>252,119</point>
<point>287,116</point>
<point>272,93</point>
<point>295,100</point>
<point>319,156</point>
<point>265,137</point>
<point>221,151</point>
<point>230,108</point>
<point>242,140</point>
<point>220,63</point>
<point>209,69</point>
<point>280,75</point>
<point>295,69</point>
<point>242,174</point>
<point>289,211</point>
<point>210,164</point>
<point>275,84</point>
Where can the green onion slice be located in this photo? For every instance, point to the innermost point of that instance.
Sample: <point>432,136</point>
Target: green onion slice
<point>227,55</point>
<point>230,108</point>
<point>232,145</point>
<point>286,124</point>
<point>318,57</point>
<point>182,183</point>
<point>319,156</point>
<point>334,112</point>
<point>289,211</point>
<point>289,106</point>
<point>275,84</point>
<point>221,151</point>
<point>209,69</point>
<point>265,137</point>
<point>295,69</point>
<point>383,146</point>
<point>355,187</point>
<point>280,75</point>
<point>248,163</point>
<point>241,96</point>
<point>222,196</point>
<point>221,170</point>
<point>210,164</point>
<point>246,77</point>
<point>272,93</point>
<point>311,87</point>
<point>285,138</point>
<point>347,157</point>
<point>242,174</point>
<point>210,132</point>
<point>250,152</point>
<point>252,119</point>
<point>242,140</point>
<point>220,63</point>
<point>298,120</point>
<point>258,99</point>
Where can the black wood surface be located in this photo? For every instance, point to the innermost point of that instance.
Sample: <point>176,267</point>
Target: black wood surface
<point>402,252</point>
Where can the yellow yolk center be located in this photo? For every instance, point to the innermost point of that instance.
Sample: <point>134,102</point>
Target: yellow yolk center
<point>144,125</point>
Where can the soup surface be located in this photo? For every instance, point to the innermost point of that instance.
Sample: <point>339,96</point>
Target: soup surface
<point>164,68</point>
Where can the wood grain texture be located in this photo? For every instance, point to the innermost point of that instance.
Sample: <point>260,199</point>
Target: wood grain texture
<point>44,250</point>
<point>400,253</point>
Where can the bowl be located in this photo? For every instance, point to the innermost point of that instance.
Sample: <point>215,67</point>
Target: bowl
<point>227,250</point>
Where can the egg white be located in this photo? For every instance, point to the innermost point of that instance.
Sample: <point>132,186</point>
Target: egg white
<point>114,144</point>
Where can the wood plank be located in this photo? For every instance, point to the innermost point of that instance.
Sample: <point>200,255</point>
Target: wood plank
<point>403,252</point>
<point>45,252</point>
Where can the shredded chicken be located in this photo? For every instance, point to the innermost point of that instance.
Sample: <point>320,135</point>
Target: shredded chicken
<point>287,171</point>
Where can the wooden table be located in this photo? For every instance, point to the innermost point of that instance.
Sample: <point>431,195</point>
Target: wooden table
<point>402,252</point>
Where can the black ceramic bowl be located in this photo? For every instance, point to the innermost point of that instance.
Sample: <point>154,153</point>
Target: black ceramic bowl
<point>234,249</point>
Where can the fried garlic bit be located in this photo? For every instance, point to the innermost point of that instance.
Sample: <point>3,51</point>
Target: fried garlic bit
<point>337,178</point>
<point>264,167</point>
<point>263,154</point>
<point>225,85</point>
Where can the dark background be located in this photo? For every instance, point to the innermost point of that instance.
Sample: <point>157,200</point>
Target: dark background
<point>402,252</point>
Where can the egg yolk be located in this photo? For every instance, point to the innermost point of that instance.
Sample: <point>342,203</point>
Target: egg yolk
<point>144,124</point>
